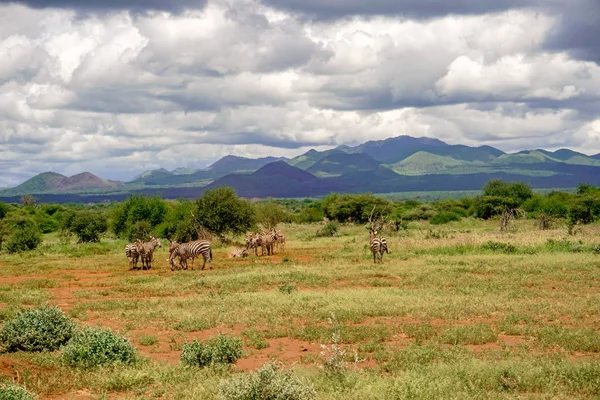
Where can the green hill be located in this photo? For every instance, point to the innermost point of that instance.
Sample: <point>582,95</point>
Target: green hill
<point>423,162</point>
<point>525,157</point>
<point>310,158</point>
<point>338,163</point>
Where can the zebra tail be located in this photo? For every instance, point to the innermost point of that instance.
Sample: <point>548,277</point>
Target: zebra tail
<point>210,253</point>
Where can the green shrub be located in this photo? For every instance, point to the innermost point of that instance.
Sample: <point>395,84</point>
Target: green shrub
<point>23,239</point>
<point>95,347</point>
<point>217,350</point>
<point>499,247</point>
<point>87,225</point>
<point>444,217</point>
<point>330,229</point>
<point>15,392</point>
<point>42,329</point>
<point>268,383</point>
<point>287,288</point>
<point>140,230</point>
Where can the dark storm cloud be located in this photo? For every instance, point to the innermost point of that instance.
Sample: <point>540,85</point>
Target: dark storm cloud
<point>108,5</point>
<point>333,9</point>
<point>578,30</point>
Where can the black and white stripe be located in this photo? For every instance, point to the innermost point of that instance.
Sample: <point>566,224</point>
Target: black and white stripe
<point>376,247</point>
<point>132,253</point>
<point>146,251</point>
<point>192,250</point>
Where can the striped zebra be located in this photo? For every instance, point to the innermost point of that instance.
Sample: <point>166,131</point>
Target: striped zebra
<point>266,240</point>
<point>384,246</point>
<point>251,242</point>
<point>280,239</point>
<point>146,251</point>
<point>191,250</point>
<point>376,247</point>
<point>132,253</point>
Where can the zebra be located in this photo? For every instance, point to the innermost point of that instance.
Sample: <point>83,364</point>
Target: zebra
<point>280,239</point>
<point>239,253</point>
<point>192,250</point>
<point>146,251</point>
<point>251,242</point>
<point>384,246</point>
<point>132,253</point>
<point>376,247</point>
<point>266,240</point>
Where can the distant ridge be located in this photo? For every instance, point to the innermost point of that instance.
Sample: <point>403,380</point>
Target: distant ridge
<point>52,182</point>
<point>397,164</point>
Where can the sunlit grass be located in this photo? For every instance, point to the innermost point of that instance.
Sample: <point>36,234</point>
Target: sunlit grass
<point>433,321</point>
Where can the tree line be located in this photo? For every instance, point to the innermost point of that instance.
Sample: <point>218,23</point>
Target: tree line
<point>221,212</point>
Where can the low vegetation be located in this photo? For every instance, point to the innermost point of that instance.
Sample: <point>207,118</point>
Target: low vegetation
<point>15,392</point>
<point>458,309</point>
<point>221,349</point>
<point>94,347</point>
<point>44,329</point>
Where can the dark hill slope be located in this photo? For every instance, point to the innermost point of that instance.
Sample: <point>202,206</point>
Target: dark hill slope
<point>339,163</point>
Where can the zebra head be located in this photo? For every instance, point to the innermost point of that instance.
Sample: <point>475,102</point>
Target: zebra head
<point>172,245</point>
<point>156,241</point>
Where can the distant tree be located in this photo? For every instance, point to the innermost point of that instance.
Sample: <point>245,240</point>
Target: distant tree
<point>585,208</point>
<point>28,200</point>
<point>138,208</point>
<point>354,207</point>
<point>221,211</point>
<point>87,225</point>
<point>518,191</point>
<point>270,214</point>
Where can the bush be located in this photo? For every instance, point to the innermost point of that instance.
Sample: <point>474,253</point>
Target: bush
<point>444,217</point>
<point>138,208</point>
<point>95,347</point>
<point>15,392</point>
<point>499,247</point>
<point>328,230</point>
<point>268,383</point>
<point>269,214</point>
<point>87,225</point>
<point>140,230</point>
<point>221,211</point>
<point>218,350</point>
<point>23,239</point>
<point>355,208</point>
<point>46,328</point>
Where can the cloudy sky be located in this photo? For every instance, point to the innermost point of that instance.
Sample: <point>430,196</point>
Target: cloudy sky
<point>115,89</point>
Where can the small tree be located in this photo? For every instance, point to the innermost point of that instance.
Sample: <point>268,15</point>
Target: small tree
<point>138,208</point>
<point>221,211</point>
<point>28,200</point>
<point>22,234</point>
<point>87,225</point>
<point>270,214</point>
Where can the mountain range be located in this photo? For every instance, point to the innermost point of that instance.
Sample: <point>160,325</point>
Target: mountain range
<point>398,164</point>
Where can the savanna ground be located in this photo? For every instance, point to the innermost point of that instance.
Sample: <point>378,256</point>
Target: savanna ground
<point>458,311</point>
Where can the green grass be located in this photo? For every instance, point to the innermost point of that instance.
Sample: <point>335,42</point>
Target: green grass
<point>456,311</point>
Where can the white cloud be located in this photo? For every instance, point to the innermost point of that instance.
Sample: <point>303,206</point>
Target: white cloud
<point>115,93</point>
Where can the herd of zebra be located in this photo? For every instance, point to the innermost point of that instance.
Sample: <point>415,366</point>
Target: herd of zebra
<point>144,251</point>
<point>265,240</point>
